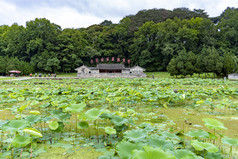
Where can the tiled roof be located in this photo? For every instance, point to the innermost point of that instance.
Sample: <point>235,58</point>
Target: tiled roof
<point>93,68</point>
<point>110,66</point>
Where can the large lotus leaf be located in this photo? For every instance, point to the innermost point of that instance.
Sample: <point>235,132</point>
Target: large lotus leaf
<point>21,141</point>
<point>230,141</point>
<point>185,154</point>
<point>83,125</point>
<point>145,125</point>
<point>63,116</point>
<point>200,146</point>
<point>169,135</point>
<point>76,108</point>
<point>135,135</point>
<point>151,153</point>
<point>124,149</point>
<point>32,132</point>
<point>118,121</point>
<point>15,125</point>
<point>160,142</point>
<point>198,134</point>
<point>45,105</point>
<point>33,118</point>
<point>110,130</point>
<point>3,123</point>
<point>53,125</point>
<point>197,145</point>
<point>106,115</point>
<point>56,112</point>
<point>210,147</point>
<point>213,124</point>
<point>34,102</point>
<point>210,155</point>
<point>93,114</point>
<point>59,114</point>
<point>63,105</point>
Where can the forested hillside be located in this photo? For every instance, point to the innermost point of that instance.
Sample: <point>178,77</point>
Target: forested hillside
<point>180,41</point>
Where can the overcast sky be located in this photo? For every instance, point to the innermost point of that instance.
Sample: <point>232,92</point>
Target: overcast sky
<point>83,13</point>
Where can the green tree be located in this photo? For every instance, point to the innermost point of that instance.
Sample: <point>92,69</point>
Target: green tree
<point>212,62</point>
<point>229,63</point>
<point>3,65</point>
<point>228,30</point>
<point>41,42</point>
<point>172,67</point>
<point>186,62</point>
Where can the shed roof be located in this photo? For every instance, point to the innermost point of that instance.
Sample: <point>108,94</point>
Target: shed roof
<point>110,66</point>
<point>137,67</point>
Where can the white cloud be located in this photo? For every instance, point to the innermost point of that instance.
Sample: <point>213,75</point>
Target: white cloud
<point>75,13</point>
<point>66,17</point>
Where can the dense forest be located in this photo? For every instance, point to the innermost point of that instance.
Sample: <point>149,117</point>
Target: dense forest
<point>180,41</point>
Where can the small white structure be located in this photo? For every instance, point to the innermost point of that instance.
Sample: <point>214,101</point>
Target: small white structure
<point>137,70</point>
<point>233,76</point>
<point>110,70</point>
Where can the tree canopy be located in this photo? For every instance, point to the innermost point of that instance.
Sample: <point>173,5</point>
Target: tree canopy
<point>180,41</point>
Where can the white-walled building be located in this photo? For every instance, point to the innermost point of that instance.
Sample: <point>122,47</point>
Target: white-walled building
<point>110,70</point>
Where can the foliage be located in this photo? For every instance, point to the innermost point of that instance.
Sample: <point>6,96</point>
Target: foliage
<point>150,38</point>
<point>76,114</point>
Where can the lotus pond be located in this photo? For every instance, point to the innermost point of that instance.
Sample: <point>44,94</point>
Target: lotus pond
<point>119,118</point>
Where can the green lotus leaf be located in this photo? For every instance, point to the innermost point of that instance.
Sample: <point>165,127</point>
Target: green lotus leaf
<point>53,125</point>
<point>32,132</point>
<point>76,108</point>
<point>151,153</point>
<point>200,102</point>
<point>93,114</point>
<point>21,141</point>
<point>34,102</point>
<point>63,116</point>
<point>63,105</point>
<point>210,147</point>
<point>145,125</point>
<point>169,135</point>
<point>45,105</point>
<point>213,124</point>
<point>185,154</point>
<point>135,135</point>
<point>155,141</point>
<point>56,112</point>
<point>23,107</point>
<point>20,99</point>
<point>230,141</point>
<point>106,115</point>
<point>200,146</point>
<point>197,145</point>
<point>33,118</point>
<point>110,130</point>
<point>198,134</point>
<point>125,149</point>
<point>60,127</point>
<point>83,124</point>
<point>59,114</point>
<point>34,112</point>
<point>118,121</point>
<point>15,125</point>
